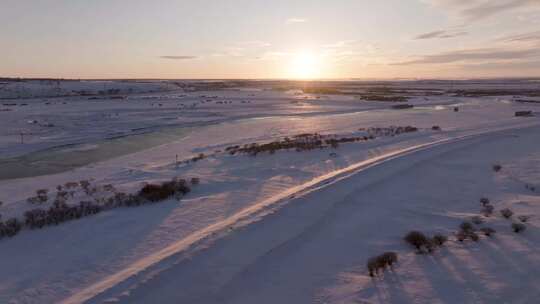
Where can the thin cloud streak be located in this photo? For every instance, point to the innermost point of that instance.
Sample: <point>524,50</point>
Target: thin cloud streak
<point>477,55</point>
<point>441,34</point>
<point>181,57</point>
<point>475,10</point>
<point>295,20</point>
<point>523,37</point>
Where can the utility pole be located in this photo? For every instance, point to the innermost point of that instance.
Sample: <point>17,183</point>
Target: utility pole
<point>22,138</point>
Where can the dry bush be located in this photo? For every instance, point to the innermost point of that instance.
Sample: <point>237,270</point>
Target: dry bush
<point>518,227</point>
<point>416,239</point>
<point>484,201</point>
<point>160,192</point>
<point>487,210</point>
<point>373,266</point>
<point>466,227</point>
<point>10,228</point>
<point>380,262</point>
<point>461,236</point>
<point>389,258</point>
<point>477,220</point>
<point>473,236</point>
<point>61,212</point>
<point>521,218</point>
<point>487,231</point>
<point>507,213</point>
<point>467,232</point>
<point>439,239</point>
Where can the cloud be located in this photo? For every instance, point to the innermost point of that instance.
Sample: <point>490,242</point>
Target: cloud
<point>523,37</point>
<point>181,57</point>
<point>512,65</point>
<point>295,20</point>
<point>442,34</point>
<point>474,55</point>
<point>473,10</point>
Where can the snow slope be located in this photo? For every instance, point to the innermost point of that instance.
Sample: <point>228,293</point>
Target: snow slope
<point>313,249</point>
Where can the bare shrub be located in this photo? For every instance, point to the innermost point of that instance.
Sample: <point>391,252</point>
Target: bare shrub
<point>487,231</point>
<point>477,220</point>
<point>524,218</point>
<point>71,185</point>
<point>42,196</point>
<point>467,232</point>
<point>109,188</point>
<point>416,239</point>
<point>380,262</point>
<point>484,201</point>
<point>518,227</point>
<point>461,236</point>
<point>10,228</point>
<point>439,239</point>
<point>472,235</point>
<point>200,156</point>
<point>507,213</point>
<point>466,227</point>
<point>389,258</point>
<point>487,210</point>
<point>373,266</point>
<point>160,192</point>
<point>85,185</point>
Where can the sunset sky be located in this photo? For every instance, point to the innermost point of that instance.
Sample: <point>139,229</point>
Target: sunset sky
<point>270,39</point>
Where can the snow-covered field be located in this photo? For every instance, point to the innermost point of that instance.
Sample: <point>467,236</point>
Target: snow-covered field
<point>284,227</point>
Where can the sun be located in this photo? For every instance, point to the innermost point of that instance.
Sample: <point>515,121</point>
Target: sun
<point>304,65</point>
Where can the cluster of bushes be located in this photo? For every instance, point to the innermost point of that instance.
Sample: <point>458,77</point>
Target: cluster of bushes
<point>384,98</point>
<point>423,243</point>
<point>10,227</point>
<point>389,131</point>
<point>507,213</point>
<point>159,192</point>
<point>531,188</point>
<point>402,106</point>
<point>487,208</point>
<point>467,231</point>
<point>311,141</point>
<point>418,240</point>
<point>493,92</point>
<point>381,262</point>
<point>518,227</point>
<point>199,157</point>
<point>60,211</point>
<point>40,197</point>
<point>303,142</point>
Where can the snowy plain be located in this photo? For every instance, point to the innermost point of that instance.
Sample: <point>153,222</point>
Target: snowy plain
<point>288,227</point>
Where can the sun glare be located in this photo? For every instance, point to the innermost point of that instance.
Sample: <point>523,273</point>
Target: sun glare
<point>305,65</point>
